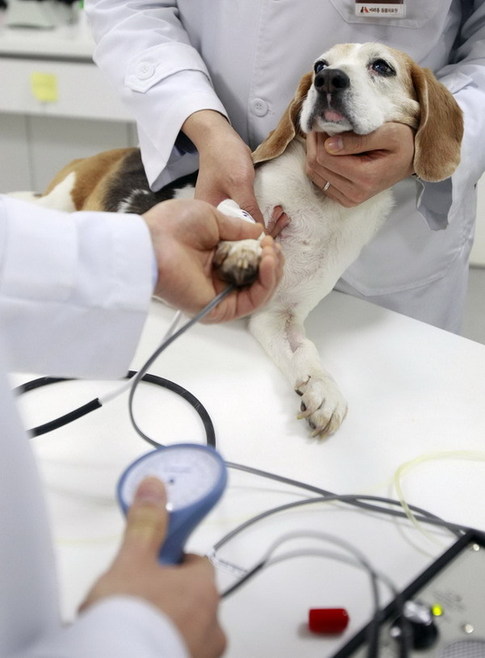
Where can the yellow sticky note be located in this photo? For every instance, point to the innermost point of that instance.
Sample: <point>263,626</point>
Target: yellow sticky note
<point>44,87</point>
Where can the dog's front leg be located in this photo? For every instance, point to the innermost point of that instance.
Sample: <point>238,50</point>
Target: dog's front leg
<point>283,337</point>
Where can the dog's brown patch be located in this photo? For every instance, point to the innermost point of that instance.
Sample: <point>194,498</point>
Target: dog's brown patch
<point>93,176</point>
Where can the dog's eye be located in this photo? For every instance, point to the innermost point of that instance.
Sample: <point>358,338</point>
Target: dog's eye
<point>320,65</point>
<point>382,67</point>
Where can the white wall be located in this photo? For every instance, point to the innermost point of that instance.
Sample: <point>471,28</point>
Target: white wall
<point>478,251</point>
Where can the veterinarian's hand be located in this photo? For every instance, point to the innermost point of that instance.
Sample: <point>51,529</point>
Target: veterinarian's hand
<point>360,166</point>
<point>184,234</point>
<point>186,593</point>
<point>226,169</point>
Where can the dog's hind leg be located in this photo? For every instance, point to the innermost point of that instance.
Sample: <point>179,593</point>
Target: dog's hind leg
<point>282,335</point>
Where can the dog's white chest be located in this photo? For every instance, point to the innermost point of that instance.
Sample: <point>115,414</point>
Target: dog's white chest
<point>323,238</point>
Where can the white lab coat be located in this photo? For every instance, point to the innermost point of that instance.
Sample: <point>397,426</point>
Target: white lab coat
<point>243,58</point>
<point>68,285</point>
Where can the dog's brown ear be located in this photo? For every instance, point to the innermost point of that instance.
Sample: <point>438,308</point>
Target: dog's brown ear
<point>279,138</point>
<point>440,130</point>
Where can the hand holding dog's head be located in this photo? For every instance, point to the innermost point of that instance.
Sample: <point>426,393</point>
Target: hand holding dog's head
<point>358,87</point>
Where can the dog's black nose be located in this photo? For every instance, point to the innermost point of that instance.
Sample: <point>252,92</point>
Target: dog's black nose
<point>331,80</point>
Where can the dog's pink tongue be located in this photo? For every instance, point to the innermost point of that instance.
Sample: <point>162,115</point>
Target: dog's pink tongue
<point>331,115</point>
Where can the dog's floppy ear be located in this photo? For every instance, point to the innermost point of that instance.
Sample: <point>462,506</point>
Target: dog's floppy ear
<point>440,130</point>
<point>279,138</point>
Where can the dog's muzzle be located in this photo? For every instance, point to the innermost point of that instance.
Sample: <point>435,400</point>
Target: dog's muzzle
<point>330,104</point>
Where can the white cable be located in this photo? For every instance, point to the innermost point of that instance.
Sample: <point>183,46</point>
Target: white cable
<point>356,554</point>
<point>341,557</point>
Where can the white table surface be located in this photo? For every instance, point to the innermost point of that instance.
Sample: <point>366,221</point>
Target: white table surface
<point>413,391</point>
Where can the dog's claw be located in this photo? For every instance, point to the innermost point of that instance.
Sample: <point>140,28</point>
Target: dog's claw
<point>304,412</point>
<point>322,432</point>
<point>322,405</point>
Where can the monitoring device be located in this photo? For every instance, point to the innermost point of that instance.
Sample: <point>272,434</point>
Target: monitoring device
<point>442,612</point>
<point>195,477</point>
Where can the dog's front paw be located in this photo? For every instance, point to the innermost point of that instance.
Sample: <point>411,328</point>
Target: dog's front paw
<point>322,404</point>
<point>238,262</point>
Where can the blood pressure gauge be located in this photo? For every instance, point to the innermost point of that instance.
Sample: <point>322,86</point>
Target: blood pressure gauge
<point>195,477</point>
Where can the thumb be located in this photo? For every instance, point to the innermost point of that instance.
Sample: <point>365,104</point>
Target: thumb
<point>250,205</point>
<point>147,521</point>
<point>346,144</point>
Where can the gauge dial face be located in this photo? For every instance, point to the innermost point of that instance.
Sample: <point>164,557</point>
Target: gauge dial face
<point>189,474</point>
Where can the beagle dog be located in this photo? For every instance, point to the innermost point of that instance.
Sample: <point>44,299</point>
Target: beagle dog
<point>353,87</point>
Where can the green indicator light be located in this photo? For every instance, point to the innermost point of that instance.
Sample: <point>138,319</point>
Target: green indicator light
<point>437,610</point>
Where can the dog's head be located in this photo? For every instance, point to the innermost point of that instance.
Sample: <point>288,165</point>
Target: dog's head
<point>359,87</point>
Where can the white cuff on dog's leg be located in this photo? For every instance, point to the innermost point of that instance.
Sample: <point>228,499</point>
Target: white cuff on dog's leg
<point>232,209</point>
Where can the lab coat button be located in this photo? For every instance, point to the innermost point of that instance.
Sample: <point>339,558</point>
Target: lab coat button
<point>259,107</point>
<point>145,70</point>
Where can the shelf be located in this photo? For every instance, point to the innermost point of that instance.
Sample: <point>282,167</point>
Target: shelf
<point>69,42</point>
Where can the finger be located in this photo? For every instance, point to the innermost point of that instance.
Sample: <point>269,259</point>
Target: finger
<point>352,144</point>
<point>349,144</point>
<point>269,274</point>
<point>147,521</point>
<point>254,211</point>
<point>273,266</point>
<point>233,228</point>
<point>334,177</point>
<point>318,160</point>
<point>250,205</point>
<point>201,562</point>
<point>311,146</point>
<point>246,300</point>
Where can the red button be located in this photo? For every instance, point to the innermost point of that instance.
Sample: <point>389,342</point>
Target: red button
<point>327,620</point>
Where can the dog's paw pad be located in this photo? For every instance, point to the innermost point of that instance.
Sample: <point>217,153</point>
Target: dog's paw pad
<point>238,262</point>
<point>322,405</point>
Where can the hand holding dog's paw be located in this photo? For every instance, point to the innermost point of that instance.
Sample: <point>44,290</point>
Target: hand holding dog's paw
<point>322,404</point>
<point>238,262</point>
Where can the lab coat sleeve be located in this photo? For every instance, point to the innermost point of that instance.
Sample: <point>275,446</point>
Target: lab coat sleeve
<point>146,54</point>
<point>120,626</point>
<point>74,289</point>
<point>74,293</point>
<point>441,202</point>
<point>30,626</point>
